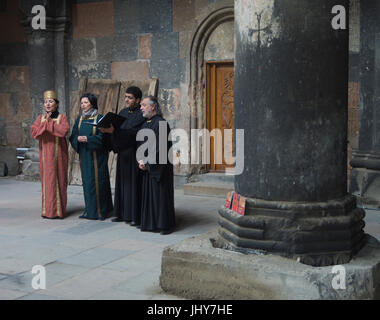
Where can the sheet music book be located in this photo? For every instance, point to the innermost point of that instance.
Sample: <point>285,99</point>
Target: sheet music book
<point>105,121</point>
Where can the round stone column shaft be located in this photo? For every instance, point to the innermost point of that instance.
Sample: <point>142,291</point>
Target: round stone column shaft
<point>291,85</point>
<point>291,88</point>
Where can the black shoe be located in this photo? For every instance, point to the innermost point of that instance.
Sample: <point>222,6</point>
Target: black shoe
<point>101,218</point>
<point>166,231</point>
<point>117,220</point>
<point>82,217</point>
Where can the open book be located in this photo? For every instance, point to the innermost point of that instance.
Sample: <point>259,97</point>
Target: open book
<point>105,121</point>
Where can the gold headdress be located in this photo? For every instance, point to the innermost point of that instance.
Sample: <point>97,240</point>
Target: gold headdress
<point>50,94</point>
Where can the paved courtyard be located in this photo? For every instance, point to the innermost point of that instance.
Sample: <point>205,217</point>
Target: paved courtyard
<point>92,259</point>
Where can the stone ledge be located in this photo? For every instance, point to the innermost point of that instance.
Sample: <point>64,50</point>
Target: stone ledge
<point>194,269</point>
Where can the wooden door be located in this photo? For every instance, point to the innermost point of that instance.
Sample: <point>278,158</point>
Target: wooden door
<point>220,113</point>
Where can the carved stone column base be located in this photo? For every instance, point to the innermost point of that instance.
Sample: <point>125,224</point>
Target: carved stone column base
<point>317,234</point>
<point>30,166</point>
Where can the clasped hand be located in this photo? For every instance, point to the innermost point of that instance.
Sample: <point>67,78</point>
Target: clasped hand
<point>82,139</point>
<point>142,165</point>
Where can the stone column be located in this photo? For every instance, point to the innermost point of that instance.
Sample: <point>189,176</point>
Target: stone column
<point>47,52</point>
<point>365,175</point>
<point>291,83</point>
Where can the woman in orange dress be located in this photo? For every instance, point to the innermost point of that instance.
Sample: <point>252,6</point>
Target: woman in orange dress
<point>50,129</point>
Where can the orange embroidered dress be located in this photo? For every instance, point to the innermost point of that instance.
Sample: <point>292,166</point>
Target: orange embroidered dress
<point>53,163</point>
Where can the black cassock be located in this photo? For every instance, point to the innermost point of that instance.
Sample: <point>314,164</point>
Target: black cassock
<point>157,206</point>
<point>127,203</point>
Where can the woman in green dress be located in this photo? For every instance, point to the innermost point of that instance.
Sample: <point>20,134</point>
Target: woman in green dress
<point>87,140</point>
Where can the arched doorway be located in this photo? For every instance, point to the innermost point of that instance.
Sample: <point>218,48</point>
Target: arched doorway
<point>212,44</point>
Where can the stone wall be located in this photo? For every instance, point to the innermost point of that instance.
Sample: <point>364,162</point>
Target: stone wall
<point>15,103</point>
<point>140,39</point>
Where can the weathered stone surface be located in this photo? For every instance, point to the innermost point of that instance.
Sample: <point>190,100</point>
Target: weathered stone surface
<point>18,78</point>
<point>365,185</point>
<point>137,70</point>
<point>30,171</point>
<point>195,269</point>
<point>91,71</point>
<point>3,169</point>
<point>183,15</point>
<point>127,16</point>
<point>125,47</point>
<point>10,21</point>
<point>145,46</point>
<point>220,45</point>
<point>155,15</point>
<point>8,155</point>
<point>13,54</point>
<point>354,25</point>
<point>83,50</point>
<point>93,19</point>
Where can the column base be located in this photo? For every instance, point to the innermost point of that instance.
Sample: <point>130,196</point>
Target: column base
<point>30,166</point>
<point>365,185</point>
<point>195,269</point>
<point>317,234</point>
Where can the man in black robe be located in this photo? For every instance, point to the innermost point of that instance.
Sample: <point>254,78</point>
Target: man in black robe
<point>128,176</point>
<point>157,207</point>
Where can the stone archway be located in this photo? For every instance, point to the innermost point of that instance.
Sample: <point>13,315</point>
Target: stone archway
<point>197,70</point>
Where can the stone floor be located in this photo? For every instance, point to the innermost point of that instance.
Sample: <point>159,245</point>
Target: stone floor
<point>92,259</point>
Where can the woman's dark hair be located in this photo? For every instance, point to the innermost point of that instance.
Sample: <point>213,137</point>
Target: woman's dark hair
<point>92,98</point>
<point>57,102</point>
<point>136,91</point>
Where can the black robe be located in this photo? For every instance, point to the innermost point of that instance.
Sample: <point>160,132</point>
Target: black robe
<point>128,176</point>
<point>157,207</point>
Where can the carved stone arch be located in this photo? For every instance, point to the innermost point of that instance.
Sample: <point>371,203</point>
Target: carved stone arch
<point>197,70</point>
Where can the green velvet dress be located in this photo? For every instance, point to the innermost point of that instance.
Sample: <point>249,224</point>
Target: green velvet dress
<point>94,168</point>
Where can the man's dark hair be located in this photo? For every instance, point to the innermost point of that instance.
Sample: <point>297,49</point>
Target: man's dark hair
<point>136,91</point>
<point>92,98</point>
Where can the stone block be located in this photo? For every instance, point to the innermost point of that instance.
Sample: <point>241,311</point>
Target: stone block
<point>127,16</point>
<point>170,103</point>
<point>183,15</point>
<point>136,70</point>
<point>18,78</point>
<point>93,19</point>
<point>4,85</point>
<point>125,47</point>
<point>8,155</point>
<point>156,15</point>
<point>14,31</point>
<point>365,185</point>
<point>13,54</point>
<point>3,169</point>
<point>30,170</point>
<point>83,50</point>
<point>195,269</point>
<point>168,71</point>
<point>165,46</point>
<point>14,135</point>
<point>104,49</point>
<point>185,39</point>
<point>145,46</point>
<point>91,71</point>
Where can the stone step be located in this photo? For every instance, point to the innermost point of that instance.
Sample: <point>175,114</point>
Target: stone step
<point>208,189</point>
